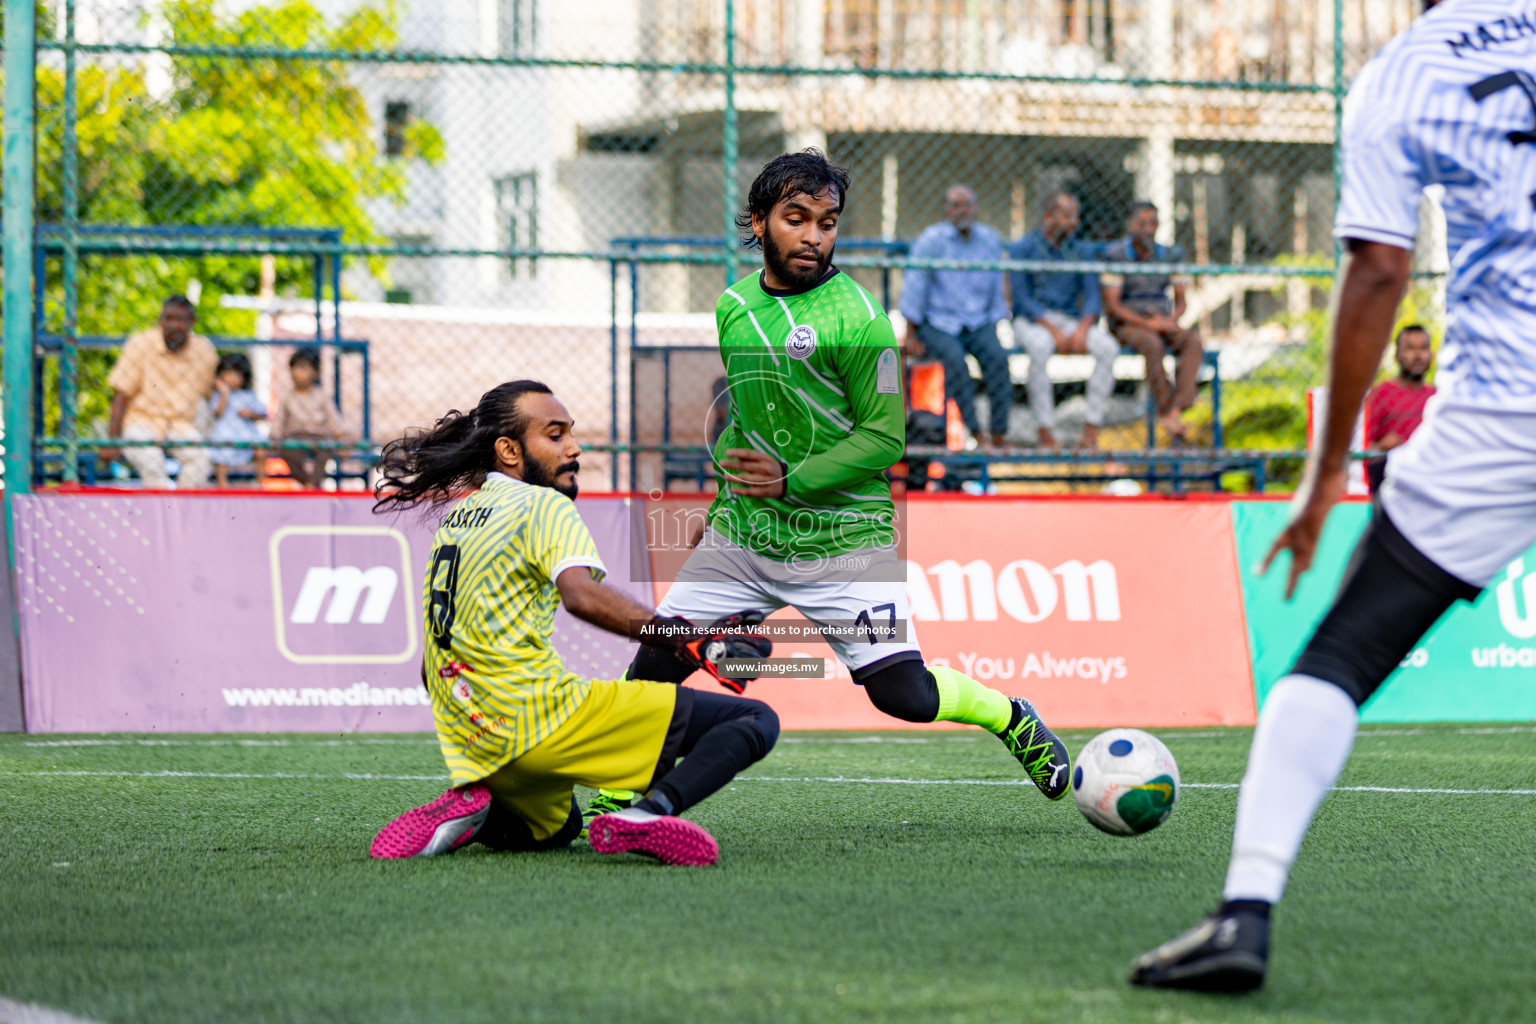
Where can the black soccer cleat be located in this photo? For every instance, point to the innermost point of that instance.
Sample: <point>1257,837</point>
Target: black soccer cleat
<point>1043,755</point>
<point>1226,952</point>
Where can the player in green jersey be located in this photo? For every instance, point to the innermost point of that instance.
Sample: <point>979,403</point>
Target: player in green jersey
<point>804,516</point>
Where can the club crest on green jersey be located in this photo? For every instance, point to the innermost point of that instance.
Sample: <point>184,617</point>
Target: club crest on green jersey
<point>801,342</point>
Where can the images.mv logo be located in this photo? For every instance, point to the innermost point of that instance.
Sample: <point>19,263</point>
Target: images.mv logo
<point>337,597</point>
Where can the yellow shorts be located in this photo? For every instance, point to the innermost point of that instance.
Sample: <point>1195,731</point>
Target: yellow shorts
<point>614,740</point>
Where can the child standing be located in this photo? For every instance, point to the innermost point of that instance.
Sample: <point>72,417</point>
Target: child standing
<point>236,413</point>
<point>306,415</point>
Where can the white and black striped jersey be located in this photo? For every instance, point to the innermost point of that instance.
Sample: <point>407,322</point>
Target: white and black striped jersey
<point>1452,102</point>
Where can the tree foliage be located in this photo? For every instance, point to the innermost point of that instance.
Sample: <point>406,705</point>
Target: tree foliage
<point>199,141</point>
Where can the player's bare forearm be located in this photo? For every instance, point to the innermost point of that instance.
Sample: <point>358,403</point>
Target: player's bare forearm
<point>602,606</point>
<point>1371,287</point>
<point>1374,278</point>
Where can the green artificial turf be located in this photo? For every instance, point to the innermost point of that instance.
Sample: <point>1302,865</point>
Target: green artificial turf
<point>127,895</point>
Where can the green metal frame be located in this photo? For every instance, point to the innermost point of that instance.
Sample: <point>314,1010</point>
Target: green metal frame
<point>20,145</point>
<point>20,163</point>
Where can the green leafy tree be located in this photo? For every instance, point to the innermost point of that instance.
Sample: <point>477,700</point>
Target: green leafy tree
<point>248,142</point>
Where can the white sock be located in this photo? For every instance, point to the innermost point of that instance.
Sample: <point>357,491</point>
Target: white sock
<point>1302,740</point>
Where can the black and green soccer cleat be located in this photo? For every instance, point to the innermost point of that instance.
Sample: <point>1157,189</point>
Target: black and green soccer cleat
<point>1042,754</point>
<point>607,801</point>
<point>1227,952</point>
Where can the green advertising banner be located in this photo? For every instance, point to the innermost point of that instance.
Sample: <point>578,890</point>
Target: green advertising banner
<point>1477,665</point>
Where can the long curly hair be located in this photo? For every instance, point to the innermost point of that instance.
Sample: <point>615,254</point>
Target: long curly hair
<point>434,466</point>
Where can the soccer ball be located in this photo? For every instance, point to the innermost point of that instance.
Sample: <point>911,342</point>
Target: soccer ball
<point>1125,782</point>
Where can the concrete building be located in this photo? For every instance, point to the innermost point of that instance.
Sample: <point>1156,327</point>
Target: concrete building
<point>567,158</point>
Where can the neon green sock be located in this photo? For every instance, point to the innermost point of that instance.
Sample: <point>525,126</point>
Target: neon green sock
<point>963,699</point>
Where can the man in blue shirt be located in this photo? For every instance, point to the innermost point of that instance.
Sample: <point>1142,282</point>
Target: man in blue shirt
<point>952,312</point>
<point>1143,317</point>
<point>1058,311</point>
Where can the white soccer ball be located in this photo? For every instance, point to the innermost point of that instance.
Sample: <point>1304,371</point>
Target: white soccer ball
<point>1125,782</point>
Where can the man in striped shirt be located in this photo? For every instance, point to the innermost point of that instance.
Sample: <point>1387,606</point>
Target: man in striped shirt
<point>1450,103</point>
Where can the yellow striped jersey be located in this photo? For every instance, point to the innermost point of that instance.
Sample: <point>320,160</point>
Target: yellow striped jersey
<point>498,686</point>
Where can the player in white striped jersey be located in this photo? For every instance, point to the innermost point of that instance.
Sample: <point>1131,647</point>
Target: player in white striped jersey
<point>1449,103</point>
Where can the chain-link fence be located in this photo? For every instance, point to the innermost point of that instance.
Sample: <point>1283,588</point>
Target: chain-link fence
<point>438,197</point>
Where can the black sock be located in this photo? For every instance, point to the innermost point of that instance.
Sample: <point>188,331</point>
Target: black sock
<point>721,752</point>
<point>1259,907</point>
<point>656,802</point>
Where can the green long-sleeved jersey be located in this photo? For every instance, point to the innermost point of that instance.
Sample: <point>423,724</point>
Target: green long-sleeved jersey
<point>815,381</point>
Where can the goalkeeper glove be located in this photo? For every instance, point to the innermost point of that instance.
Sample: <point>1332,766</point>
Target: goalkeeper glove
<point>704,647</point>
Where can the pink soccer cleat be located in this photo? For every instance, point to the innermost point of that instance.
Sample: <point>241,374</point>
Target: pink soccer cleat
<point>441,826</point>
<point>670,840</point>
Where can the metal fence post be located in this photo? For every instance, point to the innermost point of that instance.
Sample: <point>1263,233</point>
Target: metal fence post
<point>728,143</point>
<point>69,370</point>
<point>20,147</point>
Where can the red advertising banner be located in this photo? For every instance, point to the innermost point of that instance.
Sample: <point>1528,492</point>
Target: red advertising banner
<point>1101,612</point>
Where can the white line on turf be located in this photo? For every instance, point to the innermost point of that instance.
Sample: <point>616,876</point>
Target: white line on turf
<point>845,779</point>
<point>1187,785</point>
<point>427,741</point>
<point>31,1013</point>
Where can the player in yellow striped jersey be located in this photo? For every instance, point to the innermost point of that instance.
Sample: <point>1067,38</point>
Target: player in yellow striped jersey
<point>518,730</point>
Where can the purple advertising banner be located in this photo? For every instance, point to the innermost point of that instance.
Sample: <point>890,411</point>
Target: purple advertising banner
<point>245,613</point>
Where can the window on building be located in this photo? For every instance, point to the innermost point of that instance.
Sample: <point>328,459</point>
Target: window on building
<point>517,27</point>
<point>397,119</point>
<point>517,205</point>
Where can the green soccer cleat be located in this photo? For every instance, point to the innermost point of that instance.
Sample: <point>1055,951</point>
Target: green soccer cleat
<point>607,801</point>
<point>1043,755</point>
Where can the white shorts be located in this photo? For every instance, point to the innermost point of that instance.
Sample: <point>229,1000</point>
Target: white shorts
<point>722,578</point>
<point>1463,489</point>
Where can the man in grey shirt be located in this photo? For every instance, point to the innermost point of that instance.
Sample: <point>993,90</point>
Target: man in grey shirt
<point>953,312</point>
<point>1143,317</point>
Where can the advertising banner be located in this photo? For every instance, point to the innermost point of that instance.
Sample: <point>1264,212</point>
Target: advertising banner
<point>251,613</point>
<point>1475,665</point>
<point>243,613</point>
<point>1102,613</point>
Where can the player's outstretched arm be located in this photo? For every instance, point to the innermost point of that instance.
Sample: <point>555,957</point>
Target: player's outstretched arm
<point>701,647</point>
<point>1374,277</point>
<point>601,605</point>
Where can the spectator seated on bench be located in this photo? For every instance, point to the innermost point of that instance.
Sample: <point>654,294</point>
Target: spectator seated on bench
<point>1058,311</point>
<point>161,378</point>
<point>950,313</point>
<point>1144,318</point>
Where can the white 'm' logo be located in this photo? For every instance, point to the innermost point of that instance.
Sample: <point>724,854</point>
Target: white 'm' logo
<point>1025,589</point>
<point>345,584</point>
<point>329,595</point>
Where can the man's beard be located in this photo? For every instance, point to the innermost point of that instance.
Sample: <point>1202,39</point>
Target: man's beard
<point>1417,378</point>
<point>778,264</point>
<point>535,473</point>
